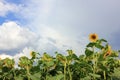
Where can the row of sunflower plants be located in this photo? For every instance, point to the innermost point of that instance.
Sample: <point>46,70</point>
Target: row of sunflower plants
<point>100,62</point>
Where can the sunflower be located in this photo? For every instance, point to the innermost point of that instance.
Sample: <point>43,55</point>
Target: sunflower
<point>93,37</point>
<point>108,52</point>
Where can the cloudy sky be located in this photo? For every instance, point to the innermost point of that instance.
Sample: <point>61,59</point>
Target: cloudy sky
<point>56,25</point>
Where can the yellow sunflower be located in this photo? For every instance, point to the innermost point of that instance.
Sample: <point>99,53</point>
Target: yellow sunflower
<point>108,52</point>
<point>93,37</point>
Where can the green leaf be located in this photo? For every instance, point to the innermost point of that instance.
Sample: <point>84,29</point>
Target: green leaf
<point>114,54</point>
<point>102,67</point>
<point>101,58</point>
<point>94,75</point>
<point>99,46</point>
<point>18,78</point>
<point>56,77</point>
<point>91,44</point>
<point>103,40</point>
<point>86,78</point>
<point>59,77</point>
<point>116,74</point>
<point>88,52</point>
<point>119,51</point>
<point>35,76</point>
<point>51,63</point>
<point>75,57</point>
<point>70,52</point>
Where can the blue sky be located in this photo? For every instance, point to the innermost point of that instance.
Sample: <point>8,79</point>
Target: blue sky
<point>56,25</point>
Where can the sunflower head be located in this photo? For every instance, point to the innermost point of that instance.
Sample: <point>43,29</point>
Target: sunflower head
<point>108,52</point>
<point>93,37</point>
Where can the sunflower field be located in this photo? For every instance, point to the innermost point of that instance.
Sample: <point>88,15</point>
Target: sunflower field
<point>99,62</point>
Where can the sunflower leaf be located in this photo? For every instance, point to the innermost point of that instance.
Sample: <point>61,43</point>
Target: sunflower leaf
<point>99,46</point>
<point>88,52</point>
<point>91,44</point>
<point>103,40</point>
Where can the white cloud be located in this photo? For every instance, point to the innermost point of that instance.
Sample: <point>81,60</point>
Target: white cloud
<point>41,13</point>
<point>12,36</point>
<point>36,9</point>
<point>7,7</point>
<point>3,56</point>
<point>59,41</point>
<point>76,18</point>
<point>25,52</point>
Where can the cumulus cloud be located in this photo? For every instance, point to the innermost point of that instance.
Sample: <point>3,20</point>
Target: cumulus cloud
<point>52,39</point>
<point>3,56</point>
<point>6,7</point>
<point>54,35</point>
<point>76,18</point>
<point>12,36</point>
<point>41,7</point>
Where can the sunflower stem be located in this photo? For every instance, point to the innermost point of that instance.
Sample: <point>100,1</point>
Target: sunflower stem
<point>70,75</point>
<point>65,71</point>
<point>28,73</point>
<point>104,75</point>
<point>94,59</point>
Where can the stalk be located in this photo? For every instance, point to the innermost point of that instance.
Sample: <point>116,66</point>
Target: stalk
<point>14,74</point>
<point>95,62</point>
<point>104,75</point>
<point>3,78</point>
<point>94,71</point>
<point>70,75</point>
<point>28,73</point>
<point>65,71</point>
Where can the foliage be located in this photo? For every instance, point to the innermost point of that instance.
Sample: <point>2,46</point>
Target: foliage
<point>99,62</point>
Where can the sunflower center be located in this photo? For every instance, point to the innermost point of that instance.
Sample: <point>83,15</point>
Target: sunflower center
<point>93,37</point>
